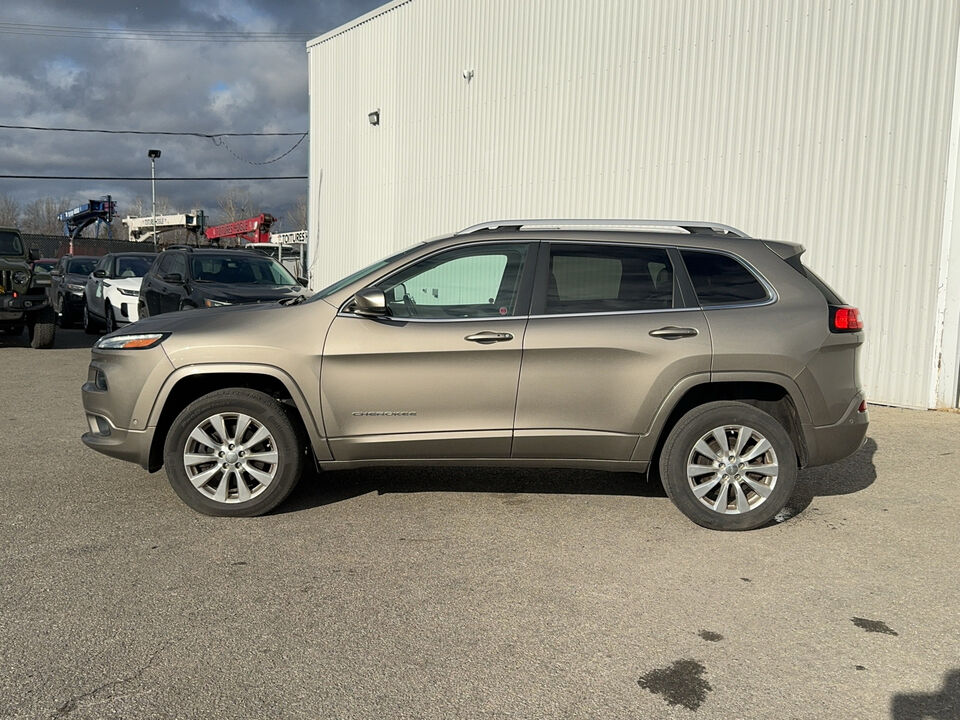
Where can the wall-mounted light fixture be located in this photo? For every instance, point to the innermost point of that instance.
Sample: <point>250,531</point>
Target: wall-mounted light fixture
<point>374,117</point>
<point>468,75</point>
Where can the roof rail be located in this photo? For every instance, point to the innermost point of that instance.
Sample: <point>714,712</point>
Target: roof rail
<point>691,226</point>
<point>179,247</point>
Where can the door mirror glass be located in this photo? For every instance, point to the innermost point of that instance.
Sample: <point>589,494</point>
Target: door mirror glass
<point>302,280</point>
<point>174,278</point>
<point>99,273</point>
<point>370,302</point>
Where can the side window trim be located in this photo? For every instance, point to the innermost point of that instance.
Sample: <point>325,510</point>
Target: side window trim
<point>772,295</point>
<point>524,290</point>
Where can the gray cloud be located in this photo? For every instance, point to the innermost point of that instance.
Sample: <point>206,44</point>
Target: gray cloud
<point>152,85</point>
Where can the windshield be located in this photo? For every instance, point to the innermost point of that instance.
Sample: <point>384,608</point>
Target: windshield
<point>132,266</point>
<point>44,266</point>
<point>350,279</point>
<point>10,244</point>
<point>82,266</point>
<point>239,270</point>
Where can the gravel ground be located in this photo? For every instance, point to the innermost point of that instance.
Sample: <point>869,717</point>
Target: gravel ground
<point>436,593</point>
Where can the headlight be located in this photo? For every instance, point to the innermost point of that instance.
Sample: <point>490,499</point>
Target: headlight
<point>215,303</point>
<point>131,293</point>
<point>131,342</point>
<point>21,277</point>
<point>74,288</point>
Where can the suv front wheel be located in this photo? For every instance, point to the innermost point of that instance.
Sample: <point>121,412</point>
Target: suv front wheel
<point>728,466</point>
<point>233,452</point>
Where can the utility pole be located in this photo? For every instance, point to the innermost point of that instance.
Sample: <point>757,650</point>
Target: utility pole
<point>153,155</point>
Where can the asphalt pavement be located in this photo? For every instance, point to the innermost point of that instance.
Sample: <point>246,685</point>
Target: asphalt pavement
<point>439,593</point>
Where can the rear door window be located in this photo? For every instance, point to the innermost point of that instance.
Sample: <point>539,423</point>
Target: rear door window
<point>595,278</point>
<point>719,279</point>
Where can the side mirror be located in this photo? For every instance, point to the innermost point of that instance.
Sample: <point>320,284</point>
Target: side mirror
<point>34,254</point>
<point>370,302</point>
<point>174,278</point>
<point>99,273</point>
<point>302,280</point>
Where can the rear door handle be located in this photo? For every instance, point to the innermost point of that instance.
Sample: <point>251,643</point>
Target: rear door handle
<point>672,333</point>
<point>487,337</point>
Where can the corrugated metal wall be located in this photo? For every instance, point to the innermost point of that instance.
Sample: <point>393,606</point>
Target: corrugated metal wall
<point>825,123</point>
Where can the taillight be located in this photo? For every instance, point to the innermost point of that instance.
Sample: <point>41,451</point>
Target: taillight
<point>845,319</point>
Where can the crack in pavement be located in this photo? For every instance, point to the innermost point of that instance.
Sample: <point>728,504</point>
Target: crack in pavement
<point>74,702</point>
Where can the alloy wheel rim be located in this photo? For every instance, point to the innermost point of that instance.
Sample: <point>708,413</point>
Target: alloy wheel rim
<point>231,458</point>
<point>732,469</point>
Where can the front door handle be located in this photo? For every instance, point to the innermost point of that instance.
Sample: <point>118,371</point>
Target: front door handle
<point>487,337</point>
<point>672,333</point>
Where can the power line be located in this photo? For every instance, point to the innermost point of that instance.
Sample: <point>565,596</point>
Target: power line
<point>163,35</point>
<point>220,142</point>
<point>149,132</point>
<point>159,179</point>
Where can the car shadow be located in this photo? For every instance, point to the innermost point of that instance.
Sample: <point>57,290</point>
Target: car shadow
<point>73,339</point>
<point>318,489</point>
<point>847,476</point>
<point>63,340</point>
<point>844,477</point>
<point>943,705</point>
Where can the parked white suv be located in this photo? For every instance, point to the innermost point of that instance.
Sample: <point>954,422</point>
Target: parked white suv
<point>113,290</point>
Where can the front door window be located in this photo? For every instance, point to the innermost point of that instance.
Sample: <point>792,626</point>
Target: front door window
<point>472,282</point>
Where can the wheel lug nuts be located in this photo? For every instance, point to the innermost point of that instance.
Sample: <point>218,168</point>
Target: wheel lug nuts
<point>237,465</point>
<point>224,466</point>
<point>242,453</point>
<point>231,446</point>
<point>220,453</point>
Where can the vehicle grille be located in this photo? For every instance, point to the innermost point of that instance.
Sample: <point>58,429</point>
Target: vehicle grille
<point>6,280</point>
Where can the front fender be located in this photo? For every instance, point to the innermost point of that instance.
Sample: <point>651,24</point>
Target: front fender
<point>308,413</point>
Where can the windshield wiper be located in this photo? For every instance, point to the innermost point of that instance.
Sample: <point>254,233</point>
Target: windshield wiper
<point>293,300</point>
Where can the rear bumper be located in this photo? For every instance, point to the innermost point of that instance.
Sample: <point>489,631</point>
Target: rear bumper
<point>829,443</point>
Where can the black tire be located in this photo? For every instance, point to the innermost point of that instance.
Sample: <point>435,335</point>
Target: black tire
<point>42,329</point>
<point>89,327</point>
<point>290,448</point>
<point>679,449</point>
<point>109,322</point>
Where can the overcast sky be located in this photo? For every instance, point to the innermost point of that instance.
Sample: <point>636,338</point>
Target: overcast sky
<point>142,84</point>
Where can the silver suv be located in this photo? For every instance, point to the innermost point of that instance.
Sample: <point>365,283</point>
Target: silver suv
<point>687,348</point>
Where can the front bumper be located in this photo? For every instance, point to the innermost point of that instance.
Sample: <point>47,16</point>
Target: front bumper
<point>118,398</point>
<point>130,445</point>
<point>21,303</point>
<point>829,443</point>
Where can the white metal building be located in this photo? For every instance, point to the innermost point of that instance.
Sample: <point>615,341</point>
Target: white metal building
<point>834,123</point>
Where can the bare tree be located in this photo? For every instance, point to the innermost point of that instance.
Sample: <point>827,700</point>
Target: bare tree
<point>40,216</point>
<point>298,216</point>
<point>236,204</point>
<point>9,211</point>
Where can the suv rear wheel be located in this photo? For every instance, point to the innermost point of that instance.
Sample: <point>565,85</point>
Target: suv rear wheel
<point>234,452</point>
<point>728,466</point>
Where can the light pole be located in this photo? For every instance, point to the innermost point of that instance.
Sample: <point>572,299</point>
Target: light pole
<point>153,155</point>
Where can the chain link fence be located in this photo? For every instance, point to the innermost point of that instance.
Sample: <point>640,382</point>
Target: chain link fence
<point>55,246</point>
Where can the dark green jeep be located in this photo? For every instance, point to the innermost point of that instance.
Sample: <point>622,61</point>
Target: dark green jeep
<point>23,301</point>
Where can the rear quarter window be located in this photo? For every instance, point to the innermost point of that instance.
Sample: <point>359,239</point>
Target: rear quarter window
<point>722,280</point>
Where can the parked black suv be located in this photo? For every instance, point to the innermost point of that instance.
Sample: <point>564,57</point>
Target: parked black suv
<point>68,283</point>
<point>183,278</point>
